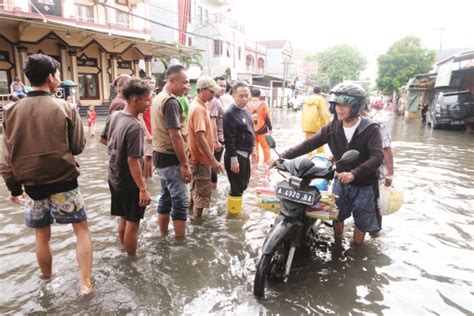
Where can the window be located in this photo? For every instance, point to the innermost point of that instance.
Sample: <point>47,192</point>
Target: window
<point>83,13</point>
<point>217,47</point>
<point>239,53</point>
<point>261,65</point>
<point>123,19</point>
<point>122,2</point>
<point>190,41</point>
<point>207,16</point>
<point>200,14</point>
<point>88,86</point>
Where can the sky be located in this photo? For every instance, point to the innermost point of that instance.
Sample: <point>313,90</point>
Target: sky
<point>370,26</point>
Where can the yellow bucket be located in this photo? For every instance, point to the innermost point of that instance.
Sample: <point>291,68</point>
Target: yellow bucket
<point>234,204</point>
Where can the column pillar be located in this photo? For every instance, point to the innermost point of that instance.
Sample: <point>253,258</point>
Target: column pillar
<point>22,54</point>
<point>148,65</point>
<point>64,62</point>
<point>73,66</point>
<point>113,67</point>
<point>104,75</point>
<point>136,68</point>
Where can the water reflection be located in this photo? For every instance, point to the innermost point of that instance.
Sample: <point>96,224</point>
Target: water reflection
<point>421,263</point>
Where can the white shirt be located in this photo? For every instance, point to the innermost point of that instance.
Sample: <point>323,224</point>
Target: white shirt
<point>349,131</point>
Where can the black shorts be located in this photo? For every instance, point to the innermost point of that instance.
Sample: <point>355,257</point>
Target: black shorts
<point>126,204</point>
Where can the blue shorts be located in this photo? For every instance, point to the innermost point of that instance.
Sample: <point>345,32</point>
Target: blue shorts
<point>64,208</point>
<point>361,202</point>
<point>174,193</point>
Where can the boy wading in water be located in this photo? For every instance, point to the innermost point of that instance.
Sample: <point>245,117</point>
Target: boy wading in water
<point>38,158</point>
<point>124,137</point>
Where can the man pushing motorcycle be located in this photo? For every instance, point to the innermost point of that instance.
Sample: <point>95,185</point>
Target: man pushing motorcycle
<point>356,182</point>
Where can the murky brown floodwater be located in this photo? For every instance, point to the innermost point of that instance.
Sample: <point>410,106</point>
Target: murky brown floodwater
<point>422,263</point>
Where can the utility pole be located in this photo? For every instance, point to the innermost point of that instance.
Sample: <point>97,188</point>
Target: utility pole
<point>441,31</point>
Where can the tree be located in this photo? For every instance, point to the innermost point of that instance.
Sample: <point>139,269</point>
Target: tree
<point>338,63</point>
<point>186,61</point>
<point>403,59</point>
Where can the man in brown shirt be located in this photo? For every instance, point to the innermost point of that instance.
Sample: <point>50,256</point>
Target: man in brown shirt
<point>201,145</point>
<point>42,135</point>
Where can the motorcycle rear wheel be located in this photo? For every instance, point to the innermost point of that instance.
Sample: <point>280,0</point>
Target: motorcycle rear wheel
<point>270,267</point>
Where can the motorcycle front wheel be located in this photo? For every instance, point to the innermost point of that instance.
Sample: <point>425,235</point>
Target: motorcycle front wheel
<point>270,267</point>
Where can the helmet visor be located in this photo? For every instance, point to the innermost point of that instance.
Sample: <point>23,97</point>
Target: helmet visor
<point>343,99</point>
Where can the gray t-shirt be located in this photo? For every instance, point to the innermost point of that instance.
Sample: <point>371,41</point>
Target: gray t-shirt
<point>172,111</point>
<point>124,135</point>
<point>216,110</point>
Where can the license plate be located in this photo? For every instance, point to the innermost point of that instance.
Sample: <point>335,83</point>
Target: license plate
<point>298,196</point>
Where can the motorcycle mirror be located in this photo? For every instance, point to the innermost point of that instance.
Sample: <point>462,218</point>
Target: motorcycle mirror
<point>270,141</point>
<point>349,156</point>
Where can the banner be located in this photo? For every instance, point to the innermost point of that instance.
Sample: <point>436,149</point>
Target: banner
<point>47,7</point>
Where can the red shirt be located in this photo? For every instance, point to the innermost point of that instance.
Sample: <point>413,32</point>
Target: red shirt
<point>147,118</point>
<point>91,118</point>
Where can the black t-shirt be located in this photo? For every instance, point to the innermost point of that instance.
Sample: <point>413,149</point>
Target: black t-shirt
<point>124,139</point>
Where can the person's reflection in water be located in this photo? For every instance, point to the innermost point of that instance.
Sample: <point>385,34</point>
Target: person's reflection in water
<point>353,280</point>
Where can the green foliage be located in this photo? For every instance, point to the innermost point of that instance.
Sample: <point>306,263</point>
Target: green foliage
<point>186,61</point>
<point>338,63</point>
<point>404,58</point>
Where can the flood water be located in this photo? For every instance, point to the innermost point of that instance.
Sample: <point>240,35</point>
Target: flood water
<point>421,263</point>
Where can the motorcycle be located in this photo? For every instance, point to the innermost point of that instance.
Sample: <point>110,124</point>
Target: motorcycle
<point>292,228</point>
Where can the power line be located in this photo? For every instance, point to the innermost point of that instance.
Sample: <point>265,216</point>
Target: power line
<point>153,22</point>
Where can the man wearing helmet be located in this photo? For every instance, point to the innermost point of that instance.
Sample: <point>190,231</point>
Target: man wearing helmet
<point>356,182</point>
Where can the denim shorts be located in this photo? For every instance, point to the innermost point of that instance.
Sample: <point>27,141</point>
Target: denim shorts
<point>174,193</point>
<point>361,202</point>
<point>64,208</point>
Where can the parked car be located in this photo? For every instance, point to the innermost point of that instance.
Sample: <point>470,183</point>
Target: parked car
<point>296,103</point>
<point>450,108</point>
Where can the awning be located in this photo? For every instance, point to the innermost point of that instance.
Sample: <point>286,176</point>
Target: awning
<point>159,49</point>
<point>458,57</point>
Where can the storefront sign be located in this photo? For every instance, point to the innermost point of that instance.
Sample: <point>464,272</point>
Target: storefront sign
<point>87,62</point>
<point>124,64</point>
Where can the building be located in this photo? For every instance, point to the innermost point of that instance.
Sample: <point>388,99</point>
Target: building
<point>207,25</point>
<point>93,41</point>
<point>277,75</point>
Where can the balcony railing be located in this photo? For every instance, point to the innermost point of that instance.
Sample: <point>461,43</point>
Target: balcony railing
<point>118,21</point>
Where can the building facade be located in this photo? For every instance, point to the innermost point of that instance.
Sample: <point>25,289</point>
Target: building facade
<point>207,25</point>
<point>94,41</point>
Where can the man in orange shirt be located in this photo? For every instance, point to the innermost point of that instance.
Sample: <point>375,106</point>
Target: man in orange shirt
<point>201,145</point>
<point>261,123</point>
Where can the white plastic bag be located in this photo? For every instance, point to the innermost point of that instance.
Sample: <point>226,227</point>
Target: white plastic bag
<point>390,199</point>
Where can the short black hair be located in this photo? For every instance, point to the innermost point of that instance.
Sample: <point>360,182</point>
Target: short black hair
<point>317,89</point>
<point>219,78</point>
<point>38,67</point>
<point>135,87</point>
<point>175,69</point>
<point>237,85</point>
<point>255,92</point>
